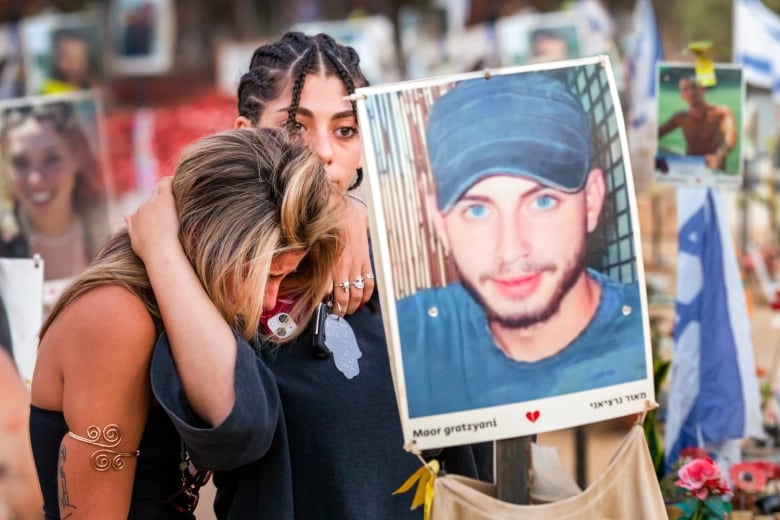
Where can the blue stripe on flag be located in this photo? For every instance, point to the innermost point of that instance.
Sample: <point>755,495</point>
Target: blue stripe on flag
<point>759,64</point>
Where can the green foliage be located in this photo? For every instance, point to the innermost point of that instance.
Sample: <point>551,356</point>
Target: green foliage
<point>714,508</point>
<point>654,442</point>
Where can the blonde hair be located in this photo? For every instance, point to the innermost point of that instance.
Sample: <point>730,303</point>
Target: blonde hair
<point>243,196</point>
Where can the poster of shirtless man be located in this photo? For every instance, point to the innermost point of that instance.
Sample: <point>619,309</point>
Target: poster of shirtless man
<point>699,127</point>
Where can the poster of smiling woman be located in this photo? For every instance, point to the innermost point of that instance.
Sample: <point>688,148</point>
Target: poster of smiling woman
<point>506,239</point>
<point>55,192</point>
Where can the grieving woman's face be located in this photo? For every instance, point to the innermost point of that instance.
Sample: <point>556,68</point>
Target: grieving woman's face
<point>41,170</point>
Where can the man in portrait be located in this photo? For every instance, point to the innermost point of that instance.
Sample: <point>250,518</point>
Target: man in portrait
<point>517,190</point>
<point>709,130</point>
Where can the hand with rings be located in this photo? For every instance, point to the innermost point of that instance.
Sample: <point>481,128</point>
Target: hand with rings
<point>353,280</point>
<point>359,282</point>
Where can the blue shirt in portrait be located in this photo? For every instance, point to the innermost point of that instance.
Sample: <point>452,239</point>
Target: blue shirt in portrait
<point>451,362</point>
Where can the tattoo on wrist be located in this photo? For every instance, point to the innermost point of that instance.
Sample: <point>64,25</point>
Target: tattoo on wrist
<point>63,485</point>
<point>106,439</point>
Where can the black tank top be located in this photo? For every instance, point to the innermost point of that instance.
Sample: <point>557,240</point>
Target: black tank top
<point>157,473</point>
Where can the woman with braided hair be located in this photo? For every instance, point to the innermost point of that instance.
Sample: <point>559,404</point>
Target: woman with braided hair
<point>344,439</point>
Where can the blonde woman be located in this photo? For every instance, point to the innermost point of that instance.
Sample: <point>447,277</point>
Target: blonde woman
<point>257,215</point>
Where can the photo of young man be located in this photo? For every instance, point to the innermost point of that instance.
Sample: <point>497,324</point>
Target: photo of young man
<point>507,251</point>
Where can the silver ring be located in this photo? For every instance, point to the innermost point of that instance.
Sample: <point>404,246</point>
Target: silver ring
<point>369,276</point>
<point>358,282</point>
<point>344,285</point>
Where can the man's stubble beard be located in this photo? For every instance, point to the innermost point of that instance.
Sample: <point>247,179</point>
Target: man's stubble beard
<point>572,273</point>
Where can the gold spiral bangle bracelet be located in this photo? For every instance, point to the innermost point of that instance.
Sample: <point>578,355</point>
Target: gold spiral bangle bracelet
<point>109,437</point>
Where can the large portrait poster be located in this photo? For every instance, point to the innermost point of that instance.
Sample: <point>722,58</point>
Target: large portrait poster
<point>507,246</point>
<point>699,128</point>
<point>21,311</point>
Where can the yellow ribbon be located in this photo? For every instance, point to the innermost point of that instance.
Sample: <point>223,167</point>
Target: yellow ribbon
<point>423,495</point>
<point>705,69</point>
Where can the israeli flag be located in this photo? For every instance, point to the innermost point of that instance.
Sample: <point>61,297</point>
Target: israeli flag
<point>713,393</point>
<point>756,35</point>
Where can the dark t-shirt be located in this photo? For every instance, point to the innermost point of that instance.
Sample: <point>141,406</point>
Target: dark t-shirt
<point>349,466</point>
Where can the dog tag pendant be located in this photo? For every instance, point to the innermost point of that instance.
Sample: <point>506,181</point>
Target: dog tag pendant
<point>341,341</point>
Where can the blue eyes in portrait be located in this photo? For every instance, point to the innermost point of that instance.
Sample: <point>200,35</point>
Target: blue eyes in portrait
<point>544,202</point>
<point>476,211</point>
<point>484,210</point>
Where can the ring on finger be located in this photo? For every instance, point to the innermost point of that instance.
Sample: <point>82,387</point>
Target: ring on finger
<point>358,282</point>
<point>344,285</point>
<point>368,276</point>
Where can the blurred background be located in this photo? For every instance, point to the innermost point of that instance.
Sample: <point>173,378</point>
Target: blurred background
<point>161,73</point>
<point>144,78</point>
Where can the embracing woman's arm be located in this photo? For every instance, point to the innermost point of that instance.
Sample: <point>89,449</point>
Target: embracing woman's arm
<point>202,343</point>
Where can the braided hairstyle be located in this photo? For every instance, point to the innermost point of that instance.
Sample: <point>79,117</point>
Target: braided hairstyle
<point>288,61</point>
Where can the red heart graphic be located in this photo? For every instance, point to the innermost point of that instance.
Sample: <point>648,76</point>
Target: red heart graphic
<point>532,416</point>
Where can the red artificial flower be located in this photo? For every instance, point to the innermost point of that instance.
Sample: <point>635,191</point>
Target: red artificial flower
<point>771,469</point>
<point>702,477</point>
<point>750,477</point>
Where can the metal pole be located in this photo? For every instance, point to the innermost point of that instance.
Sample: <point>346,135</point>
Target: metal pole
<point>581,454</point>
<point>513,470</point>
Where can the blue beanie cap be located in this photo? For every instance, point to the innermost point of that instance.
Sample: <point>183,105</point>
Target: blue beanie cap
<point>524,124</point>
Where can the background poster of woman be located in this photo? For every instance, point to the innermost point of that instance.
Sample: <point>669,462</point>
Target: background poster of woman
<point>55,193</point>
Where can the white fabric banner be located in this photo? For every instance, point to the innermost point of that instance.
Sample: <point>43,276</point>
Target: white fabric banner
<point>21,288</point>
